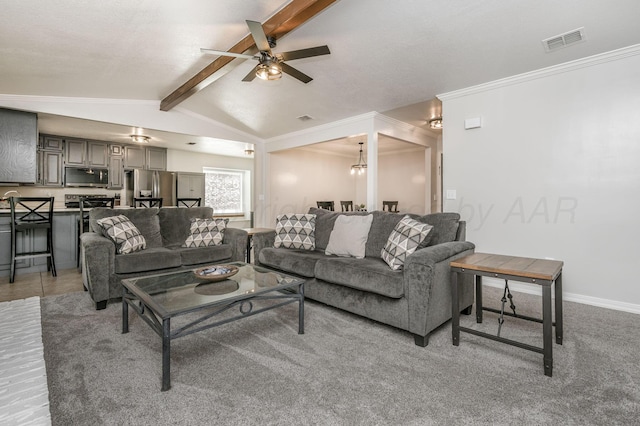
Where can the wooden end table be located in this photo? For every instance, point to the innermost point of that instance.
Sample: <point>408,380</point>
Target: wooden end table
<point>534,271</point>
<point>250,233</point>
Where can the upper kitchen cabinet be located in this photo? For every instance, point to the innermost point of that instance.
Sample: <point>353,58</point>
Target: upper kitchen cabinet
<point>50,160</point>
<point>156,158</point>
<point>81,153</point>
<point>18,146</point>
<point>147,158</point>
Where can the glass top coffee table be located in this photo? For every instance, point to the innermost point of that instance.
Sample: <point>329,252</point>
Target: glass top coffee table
<point>158,298</point>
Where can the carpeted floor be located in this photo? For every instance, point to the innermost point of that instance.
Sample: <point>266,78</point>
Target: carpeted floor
<point>343,370</point>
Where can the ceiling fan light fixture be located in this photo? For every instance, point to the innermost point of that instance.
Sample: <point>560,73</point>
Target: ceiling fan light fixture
<point>436,123</point>
<point>361,167</point>
<point>269,70</point>
<point>140,138</point>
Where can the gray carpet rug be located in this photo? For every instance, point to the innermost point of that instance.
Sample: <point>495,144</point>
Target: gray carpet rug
<point>344,370</point>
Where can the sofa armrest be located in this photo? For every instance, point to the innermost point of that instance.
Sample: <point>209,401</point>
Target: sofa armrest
<point>427,282</point>
<point>237,238</point>
<point>98,264</point>
<point>262,240</point>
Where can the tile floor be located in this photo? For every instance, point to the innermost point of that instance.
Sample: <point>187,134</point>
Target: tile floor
<point>40,284</point>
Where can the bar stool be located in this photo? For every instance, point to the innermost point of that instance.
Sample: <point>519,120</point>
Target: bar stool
<point>189,202</point>
<point>83,221</point>
<point>327,205</point>
<point>147,202</point>
<point>390,206</point>
<point>346,206</point>
<point>31,213</point>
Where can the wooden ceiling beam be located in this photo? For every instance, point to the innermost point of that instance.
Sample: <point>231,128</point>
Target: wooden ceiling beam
<point>294,14</point>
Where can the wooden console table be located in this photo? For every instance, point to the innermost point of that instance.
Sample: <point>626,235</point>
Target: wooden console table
<point>535,271</point>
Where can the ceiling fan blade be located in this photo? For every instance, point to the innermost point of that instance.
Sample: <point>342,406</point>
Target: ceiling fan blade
<point>257,32</point>
<point>251,75</point>
<point>305,53</point>
<point>224,53</point>
<point>295,73</point>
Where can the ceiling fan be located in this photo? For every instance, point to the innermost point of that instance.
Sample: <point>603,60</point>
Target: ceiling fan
<point>272,65</point>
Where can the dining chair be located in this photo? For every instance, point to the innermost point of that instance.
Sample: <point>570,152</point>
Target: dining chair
<point>346,206</point>
<point>147,202</point>
<point>327,205</point>
<point>30,214</point>
<point>189,202</point>
<point>390,206</point>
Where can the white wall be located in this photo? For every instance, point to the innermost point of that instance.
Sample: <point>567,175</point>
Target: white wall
<point>402,177</point>
<point>554,171</point>
<point>299,178</point>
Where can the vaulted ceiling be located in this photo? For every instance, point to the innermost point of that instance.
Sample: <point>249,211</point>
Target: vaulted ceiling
<point>393,57</point>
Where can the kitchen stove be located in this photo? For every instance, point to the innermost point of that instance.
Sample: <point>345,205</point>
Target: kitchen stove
<point>72,201</point>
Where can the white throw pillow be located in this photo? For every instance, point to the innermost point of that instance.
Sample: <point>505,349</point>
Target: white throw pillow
<point>403,241</point>
<point>206,232</point>
<point>349,236</point>
<point>123,233</point>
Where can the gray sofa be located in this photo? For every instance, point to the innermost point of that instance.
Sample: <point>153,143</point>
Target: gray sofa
<point>165,230</point>
<point>416,299</point>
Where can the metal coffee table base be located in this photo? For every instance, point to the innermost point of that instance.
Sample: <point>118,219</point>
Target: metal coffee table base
<point>162,326</point>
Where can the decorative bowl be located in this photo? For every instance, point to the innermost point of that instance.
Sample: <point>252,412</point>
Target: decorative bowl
<point>216,272</point>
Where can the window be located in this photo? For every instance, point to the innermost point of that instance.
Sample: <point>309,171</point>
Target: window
<point>225,191</point>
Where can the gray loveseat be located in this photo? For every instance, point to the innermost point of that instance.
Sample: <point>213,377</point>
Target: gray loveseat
<point>416,299</point>
<point>164,230</point>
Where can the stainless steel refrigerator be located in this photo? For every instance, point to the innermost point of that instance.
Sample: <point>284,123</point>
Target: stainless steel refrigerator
<point>150,183</point>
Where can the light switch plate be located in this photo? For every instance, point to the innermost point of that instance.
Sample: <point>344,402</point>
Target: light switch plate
<point>473,123</point>
<point>451,194</point>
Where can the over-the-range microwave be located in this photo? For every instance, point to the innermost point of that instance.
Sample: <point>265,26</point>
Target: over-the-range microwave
<point>86,178</point>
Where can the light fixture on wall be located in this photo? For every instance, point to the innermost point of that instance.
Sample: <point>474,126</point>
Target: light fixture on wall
<point>361,167</point>
<point>140,138</point>
<point>436,123</point>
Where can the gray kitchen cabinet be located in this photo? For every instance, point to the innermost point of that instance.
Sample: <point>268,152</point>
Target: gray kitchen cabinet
<point>81,153</point>
<point>5,246</point>
<point>50,161</point>
<point>97,154</point>
<point>190,185</point>
<point>75,152</point>
<point>18,147</point>
<point>50,166</point>
<point>50,143</point>
<point>116,172</point>
<point>147,158</point>
<point>134,157</point>
<point>156,158</point>
<point>64,244</point>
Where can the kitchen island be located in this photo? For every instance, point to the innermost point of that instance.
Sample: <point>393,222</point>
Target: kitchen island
<point>65,241</point>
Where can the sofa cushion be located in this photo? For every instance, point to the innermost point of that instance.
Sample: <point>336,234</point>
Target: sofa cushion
<point>295,231</point>
<point>152,259</point>
<point>368,274</point>
<point>175,224</point>
<point>146,220</point>
<point>206,232</point>
<point>403,241</point>
<point>445,227</point>
<point>299,262</point>
<point>198,255</point>
<point>123,233</point>
<point>349,236</point>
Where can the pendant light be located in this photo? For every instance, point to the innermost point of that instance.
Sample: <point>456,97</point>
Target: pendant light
<point>361,167</point>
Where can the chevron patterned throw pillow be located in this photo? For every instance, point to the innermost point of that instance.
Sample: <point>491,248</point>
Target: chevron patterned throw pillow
<point>124,233</point>
<point>403,241</point>
<point>297,231</point>
<point>206,232</point>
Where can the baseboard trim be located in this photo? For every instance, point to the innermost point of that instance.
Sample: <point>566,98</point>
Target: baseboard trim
<point>569,297</point>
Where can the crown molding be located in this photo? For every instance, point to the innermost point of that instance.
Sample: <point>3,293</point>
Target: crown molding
<point>589,61</point>
<point>79,100</point>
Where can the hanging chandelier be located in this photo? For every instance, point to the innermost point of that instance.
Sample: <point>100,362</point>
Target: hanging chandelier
<point>361,167</point>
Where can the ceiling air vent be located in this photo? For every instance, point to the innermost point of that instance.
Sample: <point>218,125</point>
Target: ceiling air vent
<point>305,117</point>
<point>564,40</point>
